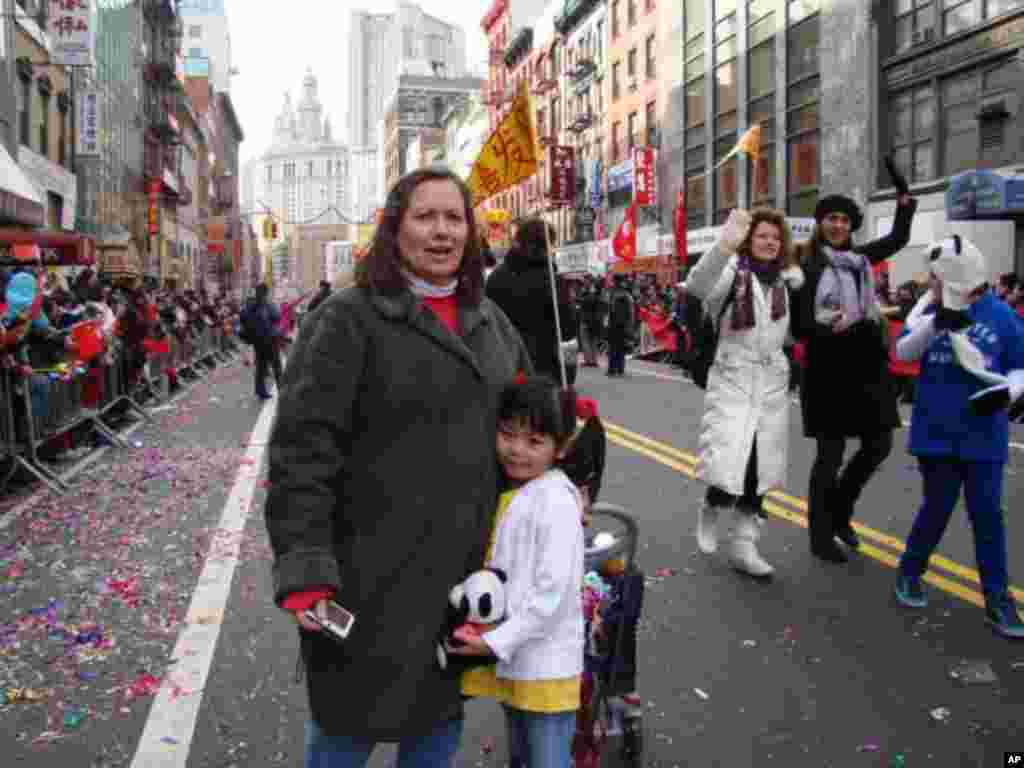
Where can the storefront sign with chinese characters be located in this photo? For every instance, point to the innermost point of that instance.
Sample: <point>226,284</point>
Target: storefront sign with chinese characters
<point>645,190</point>
<point>563,175</point>
<point>72,32</point>
<point>88,124</point>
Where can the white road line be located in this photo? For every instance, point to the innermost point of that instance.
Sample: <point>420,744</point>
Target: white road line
<point>170,727</point>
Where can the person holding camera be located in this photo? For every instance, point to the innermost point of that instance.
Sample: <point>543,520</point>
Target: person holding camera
<point>383,477</point>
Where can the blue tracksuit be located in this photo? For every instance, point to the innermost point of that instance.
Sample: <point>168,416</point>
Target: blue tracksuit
<point>958,449</point>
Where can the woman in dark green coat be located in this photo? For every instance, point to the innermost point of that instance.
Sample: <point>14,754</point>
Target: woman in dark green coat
<point>383,477</point>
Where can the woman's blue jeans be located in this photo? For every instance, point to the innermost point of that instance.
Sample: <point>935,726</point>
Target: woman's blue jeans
<point>433,750</point>
<point>538,739</point>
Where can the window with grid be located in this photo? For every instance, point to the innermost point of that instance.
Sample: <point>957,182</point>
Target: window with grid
<point>694,161</point>
<point>725,39</point>
<point>914,22</point>
<point>695,100</point>
<point>44,123</point>
<point>631,12</point>
<point>631,63</point>
<point>912,121</point>
<point>25,112</point>
<point>761,111</point>
<point>802,147</point>
<point>980,112</point>
<point>651,54</point>
<point>615,19</point>
<point>616,80</point>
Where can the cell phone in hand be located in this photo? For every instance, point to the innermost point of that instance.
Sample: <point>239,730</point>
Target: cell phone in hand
<point>336,621</point>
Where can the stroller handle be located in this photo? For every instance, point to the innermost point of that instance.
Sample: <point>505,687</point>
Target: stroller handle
<point>624,546</point>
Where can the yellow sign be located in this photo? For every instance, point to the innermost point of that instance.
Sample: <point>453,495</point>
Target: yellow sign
<point>510,154</point>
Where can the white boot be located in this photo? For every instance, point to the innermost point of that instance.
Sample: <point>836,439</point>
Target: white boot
<point>707,528</point>
<point>743,554</point>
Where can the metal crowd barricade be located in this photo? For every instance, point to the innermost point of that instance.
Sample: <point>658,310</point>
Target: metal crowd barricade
<point>52,403</point>
<point>37,408</point>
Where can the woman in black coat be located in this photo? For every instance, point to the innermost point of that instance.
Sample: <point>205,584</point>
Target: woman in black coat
<point>383,476</point>
<point>847,391</point>
<point>521,286</point>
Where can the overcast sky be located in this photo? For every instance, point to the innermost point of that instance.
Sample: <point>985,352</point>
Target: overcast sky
<point>273,46</point>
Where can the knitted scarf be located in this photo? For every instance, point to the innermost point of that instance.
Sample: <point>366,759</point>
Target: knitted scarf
<point>767,273</point>
<point>847,284</point>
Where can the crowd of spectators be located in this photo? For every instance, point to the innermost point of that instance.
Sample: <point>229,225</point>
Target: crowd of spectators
<point>135,325</point>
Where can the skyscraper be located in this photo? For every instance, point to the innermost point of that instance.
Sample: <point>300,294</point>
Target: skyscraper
<point>206,44</point>
<point>383,46</point>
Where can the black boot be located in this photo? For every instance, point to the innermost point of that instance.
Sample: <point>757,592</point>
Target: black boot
<point>828,551</point>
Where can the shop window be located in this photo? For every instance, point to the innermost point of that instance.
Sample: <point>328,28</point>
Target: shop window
<point>912,115</point>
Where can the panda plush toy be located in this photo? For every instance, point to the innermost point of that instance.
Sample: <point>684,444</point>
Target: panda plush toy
<point>480,602</point>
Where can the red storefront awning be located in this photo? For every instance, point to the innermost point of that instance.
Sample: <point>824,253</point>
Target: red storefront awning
<point>57,248</point>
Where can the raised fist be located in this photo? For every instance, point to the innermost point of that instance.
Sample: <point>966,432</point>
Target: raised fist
<point>735,231</point>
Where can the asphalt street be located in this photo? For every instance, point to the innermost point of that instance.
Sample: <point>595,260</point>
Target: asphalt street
<point>136,627</point>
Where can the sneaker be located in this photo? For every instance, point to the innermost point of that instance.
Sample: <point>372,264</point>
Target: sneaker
<point>1001,614</point>
<point>909,592</point>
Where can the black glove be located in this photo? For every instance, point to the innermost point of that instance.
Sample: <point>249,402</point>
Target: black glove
<point>991,400</point>
<point>898,179</point>
<point>951,319</point>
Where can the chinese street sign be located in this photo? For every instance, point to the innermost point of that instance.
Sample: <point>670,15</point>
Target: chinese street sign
<point>72,32</point>
<point>563,175</point>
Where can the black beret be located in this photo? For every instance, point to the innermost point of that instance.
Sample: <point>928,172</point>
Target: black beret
<point>839,204</point>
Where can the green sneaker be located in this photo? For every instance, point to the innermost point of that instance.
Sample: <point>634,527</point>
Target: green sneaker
<point>909,592</point>
<point>1001,613</point>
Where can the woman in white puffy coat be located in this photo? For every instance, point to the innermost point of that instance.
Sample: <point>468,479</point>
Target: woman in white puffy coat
<point>745,282</point>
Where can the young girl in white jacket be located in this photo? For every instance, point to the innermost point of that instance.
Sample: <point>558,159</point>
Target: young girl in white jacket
<point>538,543</point>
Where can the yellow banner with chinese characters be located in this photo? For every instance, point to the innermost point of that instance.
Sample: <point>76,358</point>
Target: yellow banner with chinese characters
<point>510,154</point>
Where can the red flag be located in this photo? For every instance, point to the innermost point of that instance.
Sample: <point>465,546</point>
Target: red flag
<point>679,227</point>
<point>624,242</point>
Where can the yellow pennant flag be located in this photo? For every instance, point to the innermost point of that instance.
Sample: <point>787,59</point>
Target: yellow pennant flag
<point>749,145</point>
<point>510,154</point>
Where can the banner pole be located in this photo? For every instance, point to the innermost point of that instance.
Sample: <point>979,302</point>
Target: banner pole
<point>554,304</point>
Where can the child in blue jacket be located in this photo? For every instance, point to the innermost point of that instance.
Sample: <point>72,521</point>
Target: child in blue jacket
<point>971,348</point>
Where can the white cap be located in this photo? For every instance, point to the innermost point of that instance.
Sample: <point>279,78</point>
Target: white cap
<point>960,266</point>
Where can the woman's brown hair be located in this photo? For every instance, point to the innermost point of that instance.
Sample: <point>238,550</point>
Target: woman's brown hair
<point>786,257</point>
<point>381,270</point>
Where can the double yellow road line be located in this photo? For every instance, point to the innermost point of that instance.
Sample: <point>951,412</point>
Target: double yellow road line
<point>958,580</point>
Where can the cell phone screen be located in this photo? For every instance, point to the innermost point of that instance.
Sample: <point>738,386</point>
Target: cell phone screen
<point>338,615</point>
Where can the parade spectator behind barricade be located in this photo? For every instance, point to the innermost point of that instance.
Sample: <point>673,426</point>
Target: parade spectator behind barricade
<point>971,349</point>
<point>320,297</point>
<point>133,327</point>
<point>592,311</point>
<point>621,324</point>
<point>259,320</point>
<point>521,286</point>
<point>383,475</point>
<point>847,391</point>
<point>745,283</point>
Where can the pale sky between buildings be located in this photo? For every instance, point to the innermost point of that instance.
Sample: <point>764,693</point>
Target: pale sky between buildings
<point>273,43</point>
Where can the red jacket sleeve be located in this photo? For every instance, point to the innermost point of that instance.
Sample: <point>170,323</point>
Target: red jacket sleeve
<point>303,601</point>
